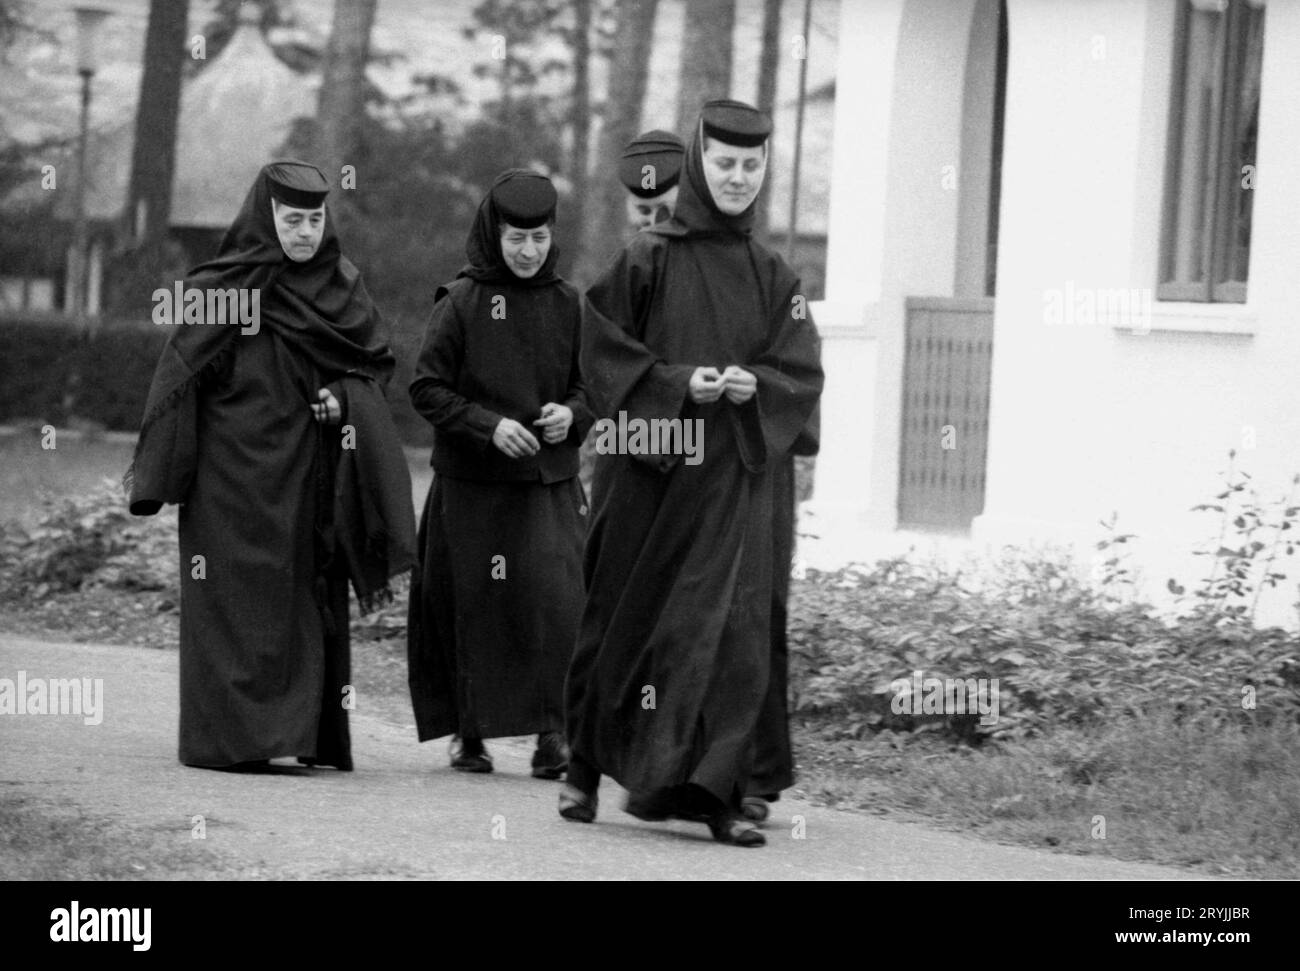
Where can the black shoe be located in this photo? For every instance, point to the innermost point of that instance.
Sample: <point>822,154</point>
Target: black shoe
<point>734,830</point>
<point>578,806</point>
<point>469,755</point>
<point>552,756</point>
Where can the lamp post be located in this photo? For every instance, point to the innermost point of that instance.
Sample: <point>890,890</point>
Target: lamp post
<point>88,21</point>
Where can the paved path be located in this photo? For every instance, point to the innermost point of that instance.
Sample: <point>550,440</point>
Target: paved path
<point>404,814</point>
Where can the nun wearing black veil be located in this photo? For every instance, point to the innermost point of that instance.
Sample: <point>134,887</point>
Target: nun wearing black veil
<point>276,441</point>
<point>495,609</point>
<point>650,170</point>
<point>694,320</point>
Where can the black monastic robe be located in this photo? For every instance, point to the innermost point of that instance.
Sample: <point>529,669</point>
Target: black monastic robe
<point>495,606</point>
<point>276,513</point>
<point>773,765</point>
<point>672,663</point>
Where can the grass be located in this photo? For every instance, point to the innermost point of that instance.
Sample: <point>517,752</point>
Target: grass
<point>1217,800</point>
<point>1146,788</point>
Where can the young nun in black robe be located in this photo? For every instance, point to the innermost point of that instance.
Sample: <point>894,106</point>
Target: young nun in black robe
<point>650,169</point>
<point>275,438</point>
<point>495,611</point>
<point>697,321</point>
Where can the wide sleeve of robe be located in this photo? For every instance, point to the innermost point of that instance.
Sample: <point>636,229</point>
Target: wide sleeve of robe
<point>624,374</point>
<point>621,373</point>
<point>166,454</point>
<point>576,398</point>
<point>789,370</point>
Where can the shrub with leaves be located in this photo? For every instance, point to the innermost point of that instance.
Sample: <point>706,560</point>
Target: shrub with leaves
<point>1062,652</point>
<point>90,539</point>
<point>1253,536</point>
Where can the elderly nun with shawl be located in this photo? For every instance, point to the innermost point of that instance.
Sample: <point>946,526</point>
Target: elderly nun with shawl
<point>277,443</point>
<point>495,610</point>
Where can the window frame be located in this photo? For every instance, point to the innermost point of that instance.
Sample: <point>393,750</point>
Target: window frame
<point>1216,201</point>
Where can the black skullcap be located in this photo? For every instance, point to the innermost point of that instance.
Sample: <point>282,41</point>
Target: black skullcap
<point>297,184</point>
<point>735,123</point>
<point>661,150</point>
<point>525,199</point>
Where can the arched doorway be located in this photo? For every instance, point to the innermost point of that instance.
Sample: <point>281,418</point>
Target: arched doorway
<point>948,350</point>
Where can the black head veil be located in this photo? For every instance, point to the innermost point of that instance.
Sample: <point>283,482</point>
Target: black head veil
<point>696,214</point>
<point>483,247</point>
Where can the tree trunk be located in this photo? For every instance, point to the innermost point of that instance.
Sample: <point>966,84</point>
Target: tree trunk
<point>153,156</point>
<point>769,62</point>
<point>706,58</point>
<point>581,113</point>
<point>629,68</point>
<point>342,92</point>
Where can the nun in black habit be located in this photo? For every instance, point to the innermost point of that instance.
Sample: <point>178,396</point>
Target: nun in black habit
<point>495,609</point>
<point>694,320</point>
<point>275,439</point>
<point>650,169</point>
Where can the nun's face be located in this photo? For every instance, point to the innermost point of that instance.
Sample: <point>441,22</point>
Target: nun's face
<point>644,213</point>
<point>734,174</point>
<point>525,250</point>
<point>300,230</point>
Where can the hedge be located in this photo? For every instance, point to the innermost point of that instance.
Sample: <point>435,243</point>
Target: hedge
<point>49,372</point>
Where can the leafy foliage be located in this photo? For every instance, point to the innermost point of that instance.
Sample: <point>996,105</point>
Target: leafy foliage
<point>1063,652</point>
<point>88,540</point>
<point>1251,540</point>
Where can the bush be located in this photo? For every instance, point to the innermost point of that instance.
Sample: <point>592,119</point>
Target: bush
<point>1061,652</point>
<point>89,539</point>
<point>35,363</point>
<point>52,373</point>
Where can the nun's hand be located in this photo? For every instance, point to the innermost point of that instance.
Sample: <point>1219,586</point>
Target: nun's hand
<point>555,422</point>
<point>706,385</point>
<point>328,411</point>
<point>739,384</point>
<point>514,439</point>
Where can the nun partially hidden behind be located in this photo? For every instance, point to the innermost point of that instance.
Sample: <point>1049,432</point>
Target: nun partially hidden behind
<point>650,169</point>
<point>281,503</point>
<point>694,320</point>
<point>495,610</point>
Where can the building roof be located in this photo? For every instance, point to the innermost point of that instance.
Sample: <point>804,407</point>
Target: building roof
<point>235,116</point>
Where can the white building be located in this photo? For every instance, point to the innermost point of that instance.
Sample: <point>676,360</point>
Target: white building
<point>1123,169</point>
